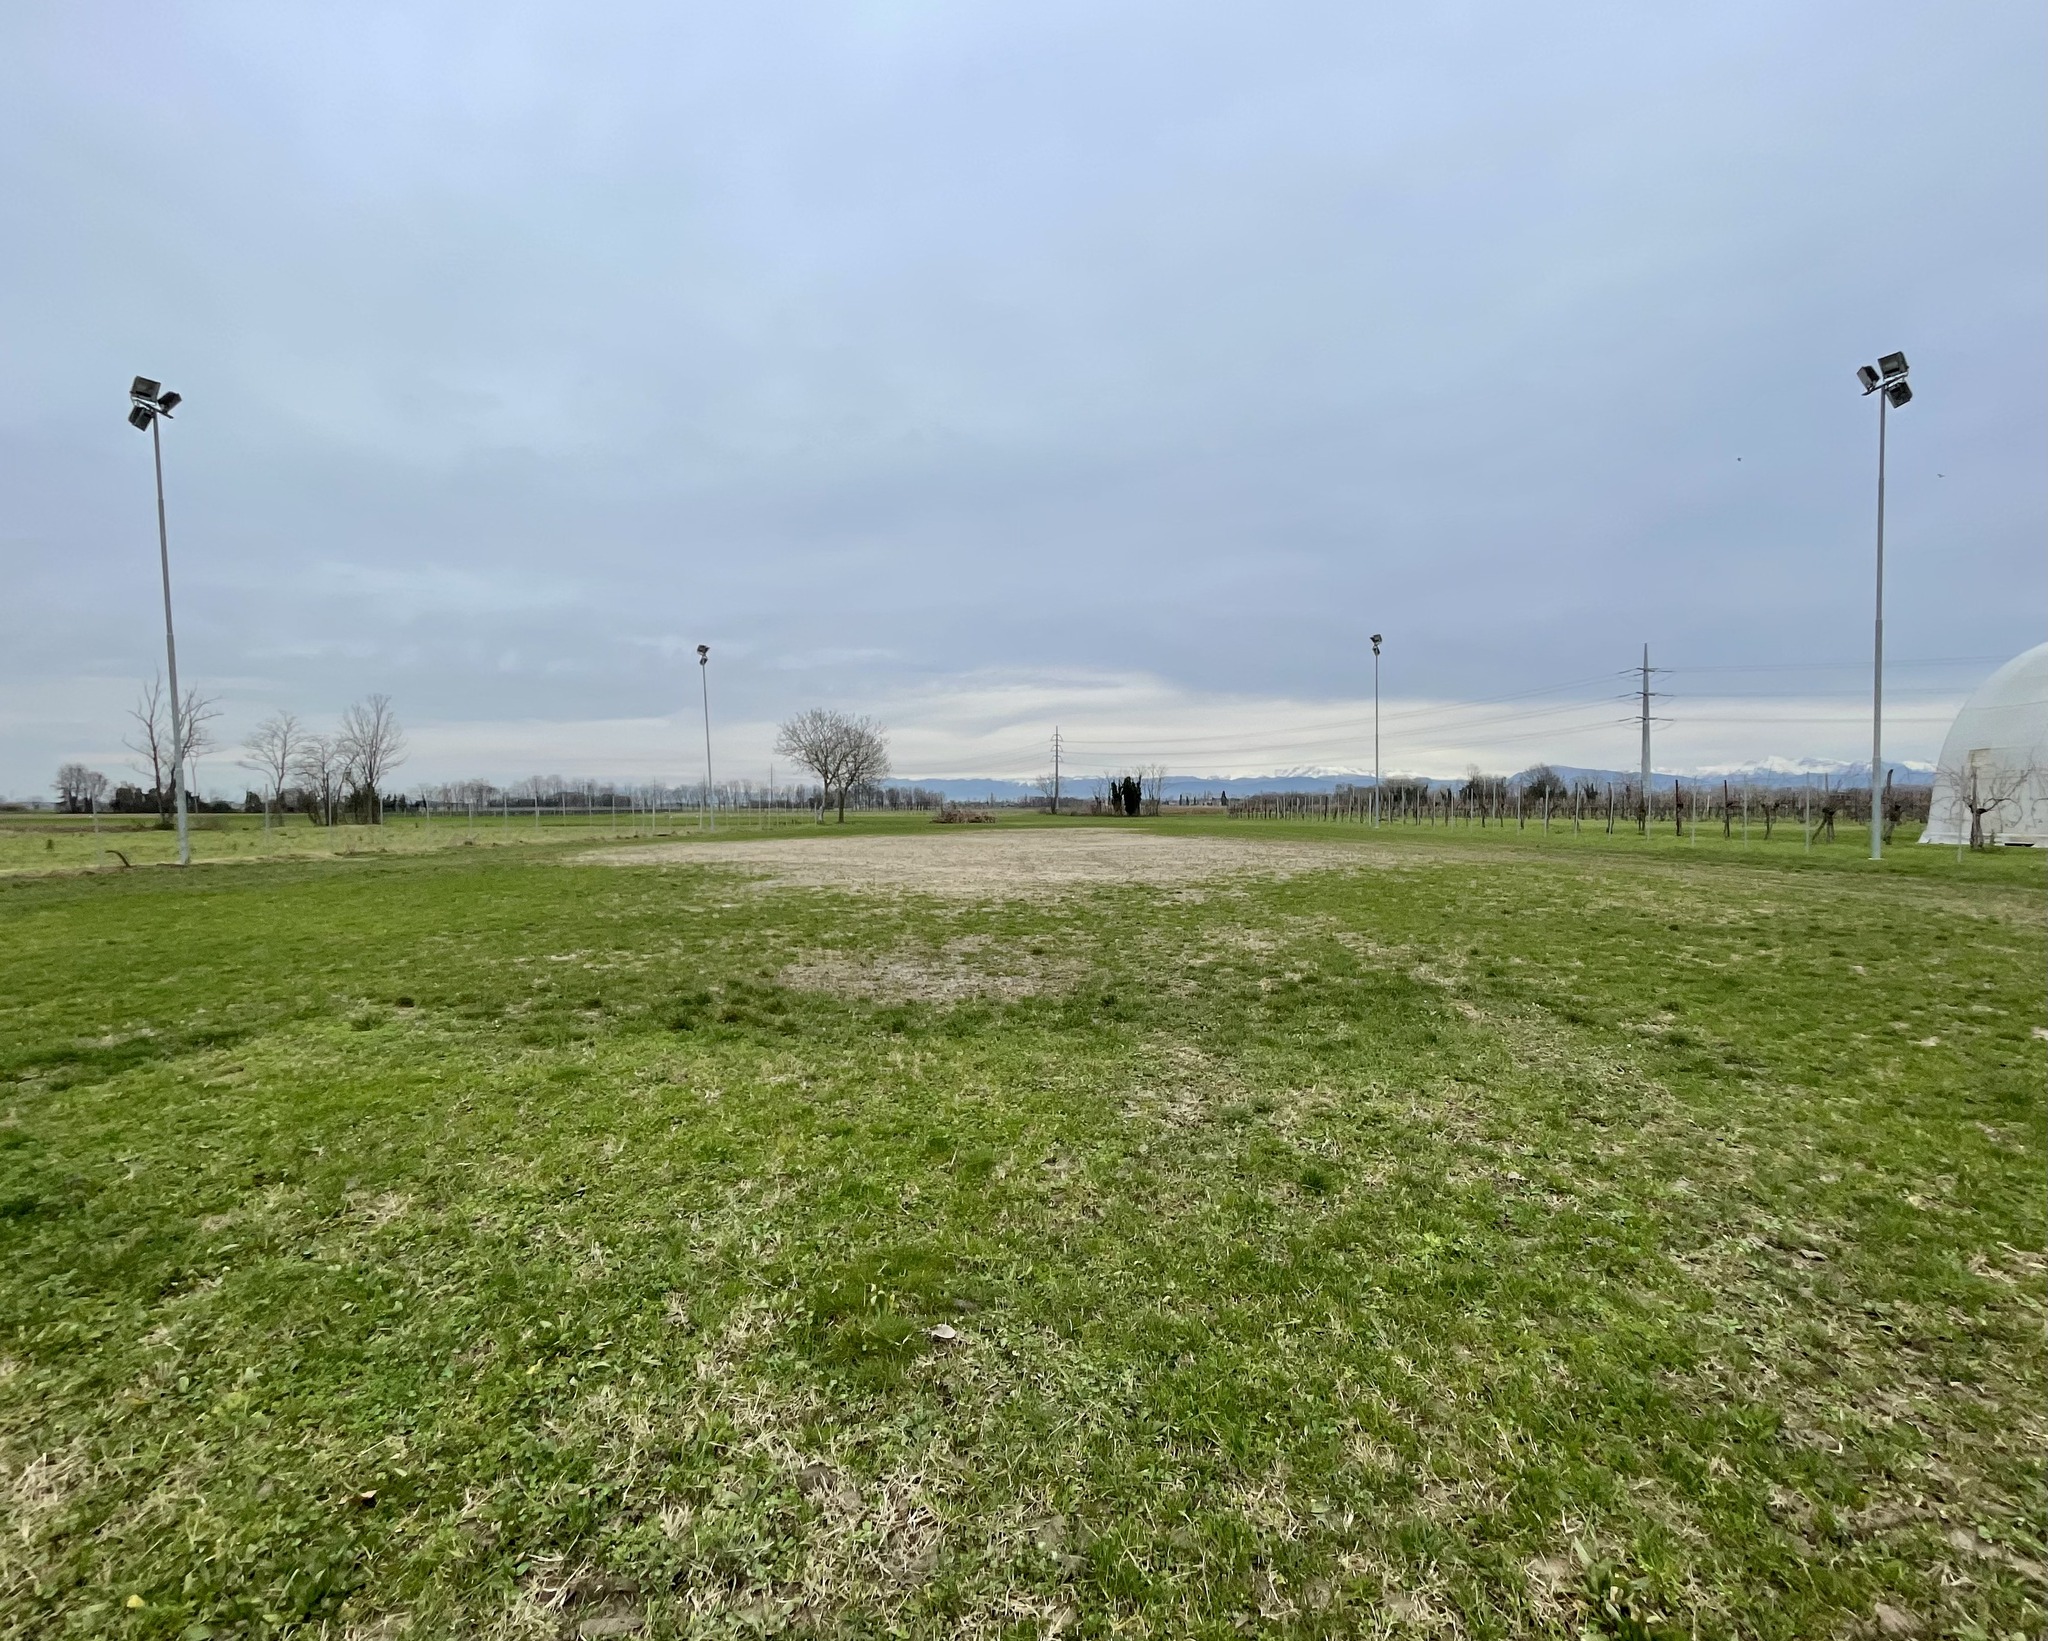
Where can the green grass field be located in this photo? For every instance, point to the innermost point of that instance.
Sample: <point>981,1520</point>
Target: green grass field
<point>1490,1235</point>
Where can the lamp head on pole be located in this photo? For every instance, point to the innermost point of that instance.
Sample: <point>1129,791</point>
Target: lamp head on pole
<point>1888,374</point>
<point>703,655</point>
<point>147,400</point>
<point>1375,643</point>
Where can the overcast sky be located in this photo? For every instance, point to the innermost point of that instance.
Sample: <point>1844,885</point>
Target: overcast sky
<point>986,367</point>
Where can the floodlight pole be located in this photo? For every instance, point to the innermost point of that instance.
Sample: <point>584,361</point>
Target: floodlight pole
<point>163,547</point>
<point>704,677</point>
<point>1877,649</point>
<point>1375,729</point>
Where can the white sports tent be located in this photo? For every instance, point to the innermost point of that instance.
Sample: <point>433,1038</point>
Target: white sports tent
<point>1999,741</point>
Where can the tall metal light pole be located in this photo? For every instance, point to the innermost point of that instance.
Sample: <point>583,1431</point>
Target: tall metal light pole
<point>148,404</point>
<point>1887,379</point>
<point>1375,729</point>
<point>704,677</point>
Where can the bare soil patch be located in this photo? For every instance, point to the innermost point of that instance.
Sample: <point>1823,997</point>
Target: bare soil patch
<point>970,967</point>
<point>998,865</point>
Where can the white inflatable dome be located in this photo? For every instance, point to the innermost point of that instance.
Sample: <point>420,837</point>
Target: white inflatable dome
<point>1998,745</point>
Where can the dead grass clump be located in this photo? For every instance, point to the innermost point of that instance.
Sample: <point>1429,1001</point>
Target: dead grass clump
<point>1181,1086</point>
<point>34,1494</point>
<point>38,1488</point>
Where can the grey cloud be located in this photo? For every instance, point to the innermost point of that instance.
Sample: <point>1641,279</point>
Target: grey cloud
<point>881,345</point>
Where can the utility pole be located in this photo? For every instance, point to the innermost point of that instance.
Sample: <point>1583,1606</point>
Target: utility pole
<point>1055,769</point>
<point>1646,740</point>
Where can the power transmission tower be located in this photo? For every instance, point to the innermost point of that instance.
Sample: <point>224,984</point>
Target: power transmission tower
<point>1055,769</point>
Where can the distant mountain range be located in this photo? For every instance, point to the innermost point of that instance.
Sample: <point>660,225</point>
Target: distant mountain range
<point>1777,772</point>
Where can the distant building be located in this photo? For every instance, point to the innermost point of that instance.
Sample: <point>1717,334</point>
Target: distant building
<point>1997,747</point>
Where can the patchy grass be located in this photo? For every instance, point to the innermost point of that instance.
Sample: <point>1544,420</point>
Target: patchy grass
<point>40,842</point>
<point>1506,1238</point>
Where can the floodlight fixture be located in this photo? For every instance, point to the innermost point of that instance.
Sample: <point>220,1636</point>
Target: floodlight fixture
<point>145,389</point>
<point>1375,643</point>
<point>1899,393</point>
<point>168,402</point>
<point>703,655</point>
<point>140,417</point>
<point>1867,375</point>
<point>1893,365</point>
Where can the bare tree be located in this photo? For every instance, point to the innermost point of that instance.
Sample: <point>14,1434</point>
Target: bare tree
<point>199,712</point>
<point>321,767</point>
<point>273,748</point>
<point>1770,801</point>
<point>79,788</point>
<point>151,740</point>
<point>371,745</point>
<point>845,753</point>
<point>1982,790</point>
<point>1152,780</point>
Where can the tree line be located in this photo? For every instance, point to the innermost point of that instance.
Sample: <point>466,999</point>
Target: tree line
<point>332,775</point>
<point>1128,792</point>
<point>343,774</point>
<point>1540,796</point>
<point>561,795</point>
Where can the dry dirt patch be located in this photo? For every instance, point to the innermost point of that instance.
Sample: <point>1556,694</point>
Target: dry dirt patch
<point>1000,865</point>
<point>972,966</point>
